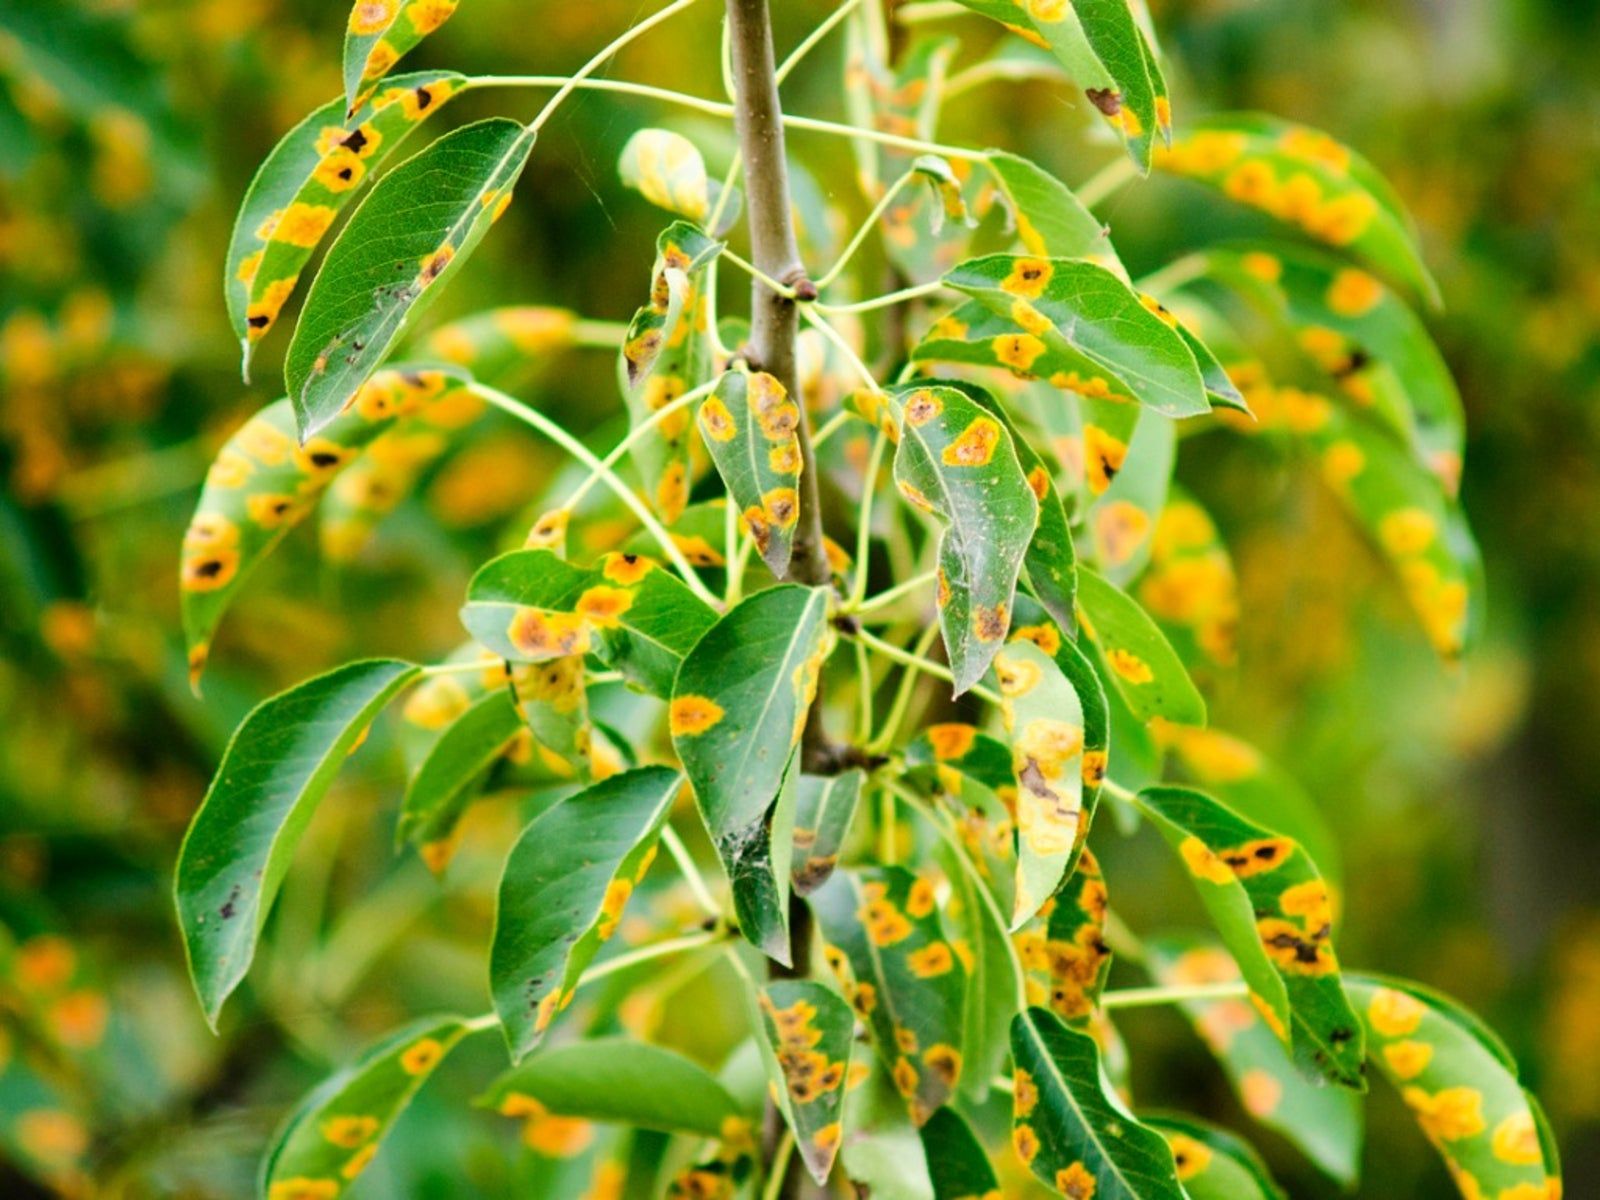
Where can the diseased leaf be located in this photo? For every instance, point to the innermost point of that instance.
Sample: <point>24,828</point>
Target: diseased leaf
<point>1141,664</point>
<point>1306,179</point>
<point>957,1163</point>
<point>1190,587</point>
<point>303,185</point>
<point>1324,1122</point>
<point>1214,1164</point>
<point>1122,519</point>
<point>1070,1129</point>
<point>1063,949</point>
<point>1274,913</point>
<point>565,885</point>
<point>263,483</point>
<point>412,232</point>
<point>619,1080</point>
<point>533,606</point>
<point>1100,336</point>
<point>749,425</point>
<point>739,706</point>
<point>1045,722</point>
<point>667,352</point>
<point>454,769</point>
<point>1051,222</point>
<point>945,187</point>
<point>502,346</point>
<point>824,807</point>
<point>554,703</point>
<point>882,1152</point>
<point>887,945</point>
<point>1461,1086</point>
<point>807,1031</point>
<point>1106,54</point>
<point>666,169</point>
<point>277,768</point>
<point>336,1131</point>
<point>379,34</point>
<point>956,461</point>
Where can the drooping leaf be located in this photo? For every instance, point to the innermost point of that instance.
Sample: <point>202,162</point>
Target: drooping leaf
<point>749,425</point>
<point>413,231</point>
<point>1122,519</point>
<point>807,1031</point>
<point>667,352</point>
<point>1460,1084</point>
<point>1306,179</point>
<point>1090,323</point>
<point>1142,665</point>
<point>1190,587</point>
<point>1051,222</point>
<point>1275,915</point>
<point>303,185</point>
<point>263,483</point>
<point>1214,1164</point>
<point>277,768</point>
<point>336,1131</point>
<point>1063,949</point>
<point>824,807</point>
<point>1070,1129</point>
<point>443,785</point>
<point>619,1080</point>
<point>957,1163</point>
<point>1324,1122</point>
<point>379,34</point>
<point>1044,720</point>
<point>739,706</point>
<point>566,882</point>
<point>956,461</point>
<point>887,944</point>
<point>945,187</point>
<point>533,606</point>
<point>666,169</point>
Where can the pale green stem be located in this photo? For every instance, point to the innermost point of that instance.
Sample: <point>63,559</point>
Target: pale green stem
<point>810,41</point>
<point>558,435</point>
<point>906,658</point>
<point>888,596</point>
<point>902,695</point>
<point>755,272</point>
<point>1174,275</point>
<point>632,958</point>
<point>1148,996</point>
<point>931,10</point>
<point>456,668</point>
<point>780,1167</point>
<point>1105,181</point>
<point>1000,71</point>
<point>865,230</point>
<point>869,489</point>
<point>690,871</point>
<point>635,436</point>
<point>816,320</point>
<point>832,425</point>
<point>599,335</point>
<point>864,717</point>
<point>888,852</point>
<point>600,60</point>
<point>887,300</point>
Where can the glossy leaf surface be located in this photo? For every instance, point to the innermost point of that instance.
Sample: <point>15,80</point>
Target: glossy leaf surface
<point>807,1033</point>
<point>1141,664</point>
<point>1051,222</point>
<point>957,1162</point>
<point>749,425</point>
<point>1214,1164</point>
<point>443,785</point>
<point>565,885</point>
<point>824,807</point>
<point>277,768</point>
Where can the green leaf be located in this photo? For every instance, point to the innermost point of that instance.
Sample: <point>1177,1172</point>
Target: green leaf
<point>335,1132</point>
<point>413,231</point>
<point>1044,720</point>
<point>1063,950</point>
<point>277,768</point>
<point>444,784</point>
<point>1106,54</point>
<point>749,425</point>
<point>886,943</point>
<point>667,352</point>
<point>956,461</point>
<point>957,1162</point>
<point>1069,1127</point>
<point>882,1154</point>
<point>533,606</point>
<point>1306,179</point>
<point>565,885</point>
<point>1461,1086</point>
<point>620,1080</point>
<point>1274,913</point>
<point>1214,1164</point>
<point>262,484</point>
<point>1090,323</point>
<point>739,706</point>
<point>944,185</point>
<point>1122,520</point>
<point>807,1032</point>
<point>303,185</point>
<point>554,703</point>
<point>1051,221</point>
<point>1189,586</point>
<point>1324,1122</point>
<point>379,34</point>
<point>1141,663</point>
<point>1363,338</point>
<point>824,807</point>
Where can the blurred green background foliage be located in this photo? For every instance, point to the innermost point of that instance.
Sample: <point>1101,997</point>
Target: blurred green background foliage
<point>1465,802</point>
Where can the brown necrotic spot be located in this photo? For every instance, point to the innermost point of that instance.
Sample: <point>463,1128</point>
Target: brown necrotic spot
<point>1107,100</point>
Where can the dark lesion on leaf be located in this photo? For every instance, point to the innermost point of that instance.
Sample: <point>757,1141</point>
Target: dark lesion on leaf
<point>1107,100</point>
